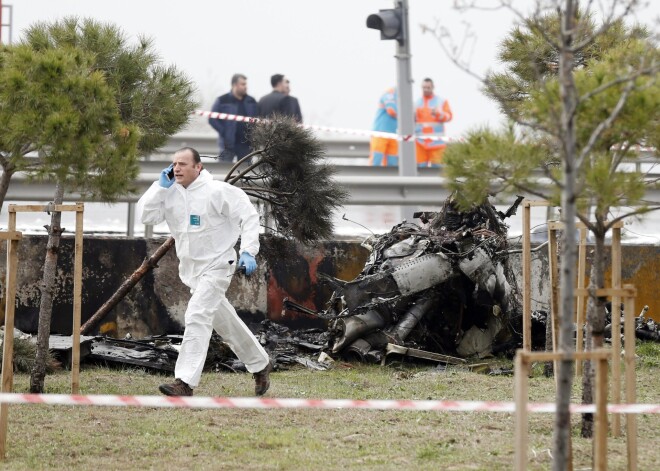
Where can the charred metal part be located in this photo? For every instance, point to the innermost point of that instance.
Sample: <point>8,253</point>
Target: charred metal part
<point>645,328</point>
<point>362,292</point>
<point>416,353</point>
<point>289,305</point>
<point>411,319</point>
<point>143,353</point>
<point>513,209</point>
<point>477,341</point>
<point>421,273</point>
<point>443,286</point>
<point>353,327</point>
<point>358,350</point>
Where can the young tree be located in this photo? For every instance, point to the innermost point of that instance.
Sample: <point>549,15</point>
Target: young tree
<point>87,103</point>
<point>582,96</point>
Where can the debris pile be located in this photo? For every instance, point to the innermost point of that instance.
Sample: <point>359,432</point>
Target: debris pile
<point>441,287</point>
<point>645,327</point>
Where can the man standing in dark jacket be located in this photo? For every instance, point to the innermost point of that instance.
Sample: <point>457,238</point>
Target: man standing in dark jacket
<point>232,134</point>
<point>279,101</point>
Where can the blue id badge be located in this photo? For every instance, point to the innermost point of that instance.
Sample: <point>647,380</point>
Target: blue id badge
<point>195,220</point>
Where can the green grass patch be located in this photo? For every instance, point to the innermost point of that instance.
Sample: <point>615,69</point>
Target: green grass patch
<point>648,353</point>
<point>81,438</point>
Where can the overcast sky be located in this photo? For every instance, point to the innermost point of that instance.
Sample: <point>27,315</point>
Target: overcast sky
<point>338,68</point>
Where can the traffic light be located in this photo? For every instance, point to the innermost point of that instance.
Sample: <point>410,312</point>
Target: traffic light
<point>389,23</point>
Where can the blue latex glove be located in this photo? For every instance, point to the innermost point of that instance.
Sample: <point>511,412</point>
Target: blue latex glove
<point>248,262</point>
<point>164,180</point>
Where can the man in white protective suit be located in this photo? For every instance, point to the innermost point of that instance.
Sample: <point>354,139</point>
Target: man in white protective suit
<point>206,217</point>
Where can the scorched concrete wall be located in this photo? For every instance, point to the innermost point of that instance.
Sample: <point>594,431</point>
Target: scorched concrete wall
<point>286,269</point>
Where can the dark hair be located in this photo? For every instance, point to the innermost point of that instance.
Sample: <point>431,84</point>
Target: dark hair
<point>194,152</point>
<point>276,79</point>
<point>428,80</point>
<point>236,77</point>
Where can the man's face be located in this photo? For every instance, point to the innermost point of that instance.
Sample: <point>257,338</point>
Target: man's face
<point>185,168</point>
<point>240,88</point>
<point>286,88</point>
<point>427,88</point>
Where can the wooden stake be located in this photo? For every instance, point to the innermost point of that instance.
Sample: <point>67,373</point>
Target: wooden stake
<point>520,396</point>
<point>579,318</point>
<point>616,329</point>
<point>631,396</point>
<point>77,303</point>
<point>600,436</point>
<point>527,274</point>
<point>8,344</point>
<point>554,290</point>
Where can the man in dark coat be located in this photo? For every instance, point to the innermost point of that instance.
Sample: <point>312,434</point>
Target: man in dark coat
<point>231,133</point>
<point>279,101</point>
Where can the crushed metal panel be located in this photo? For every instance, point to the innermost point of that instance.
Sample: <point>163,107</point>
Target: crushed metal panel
<point>421,273</point>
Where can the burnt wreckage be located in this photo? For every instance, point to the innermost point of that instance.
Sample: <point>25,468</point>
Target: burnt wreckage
<point>443,286</point>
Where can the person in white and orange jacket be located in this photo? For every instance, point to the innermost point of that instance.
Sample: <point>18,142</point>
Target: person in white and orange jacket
<point>431,112</point>
<point>384,151</point>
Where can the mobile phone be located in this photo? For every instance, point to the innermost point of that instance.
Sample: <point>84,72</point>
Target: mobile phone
<point>170,174</point>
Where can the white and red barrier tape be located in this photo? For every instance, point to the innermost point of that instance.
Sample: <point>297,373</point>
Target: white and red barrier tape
<point>283,403</point>
<point>354,132</point>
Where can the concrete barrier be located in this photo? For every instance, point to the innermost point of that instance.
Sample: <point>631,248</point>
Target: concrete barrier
<point>286,269</point>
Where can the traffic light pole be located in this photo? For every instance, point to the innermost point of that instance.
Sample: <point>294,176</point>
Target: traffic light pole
<point>406,120</point>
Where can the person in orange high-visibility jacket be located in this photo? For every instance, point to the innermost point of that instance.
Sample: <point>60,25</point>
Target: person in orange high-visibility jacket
<point>431,112</point>
<point>384,152</point>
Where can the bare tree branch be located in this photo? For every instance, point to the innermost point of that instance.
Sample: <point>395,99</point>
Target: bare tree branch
<point>611,223</point>
<point>268,190</point>
<point>586,221</point>
<point>269,200</point>
<point>241,161</point>
<point>519,186</point>
<point>618,155</point>
<point>243,173</point>
<point>439,33</point>
<point>464,5</point>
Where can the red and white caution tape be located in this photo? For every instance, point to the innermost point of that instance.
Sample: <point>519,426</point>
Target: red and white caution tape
<point>354,132</point>
<point>279,403</point>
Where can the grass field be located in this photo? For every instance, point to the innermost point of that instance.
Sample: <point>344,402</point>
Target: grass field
<point>105,438</point>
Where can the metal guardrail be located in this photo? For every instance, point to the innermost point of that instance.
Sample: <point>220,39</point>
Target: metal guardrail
<point>366,185</point>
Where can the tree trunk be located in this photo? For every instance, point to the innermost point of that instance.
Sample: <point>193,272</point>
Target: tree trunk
<point>595,324</point>
<point>47,289</point>
<point>7,172</point>
<point>148,264</point>
<point>548,366</point>
<point>569,98</point>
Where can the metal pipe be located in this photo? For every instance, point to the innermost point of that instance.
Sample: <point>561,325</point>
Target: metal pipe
<point>412,318</point>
